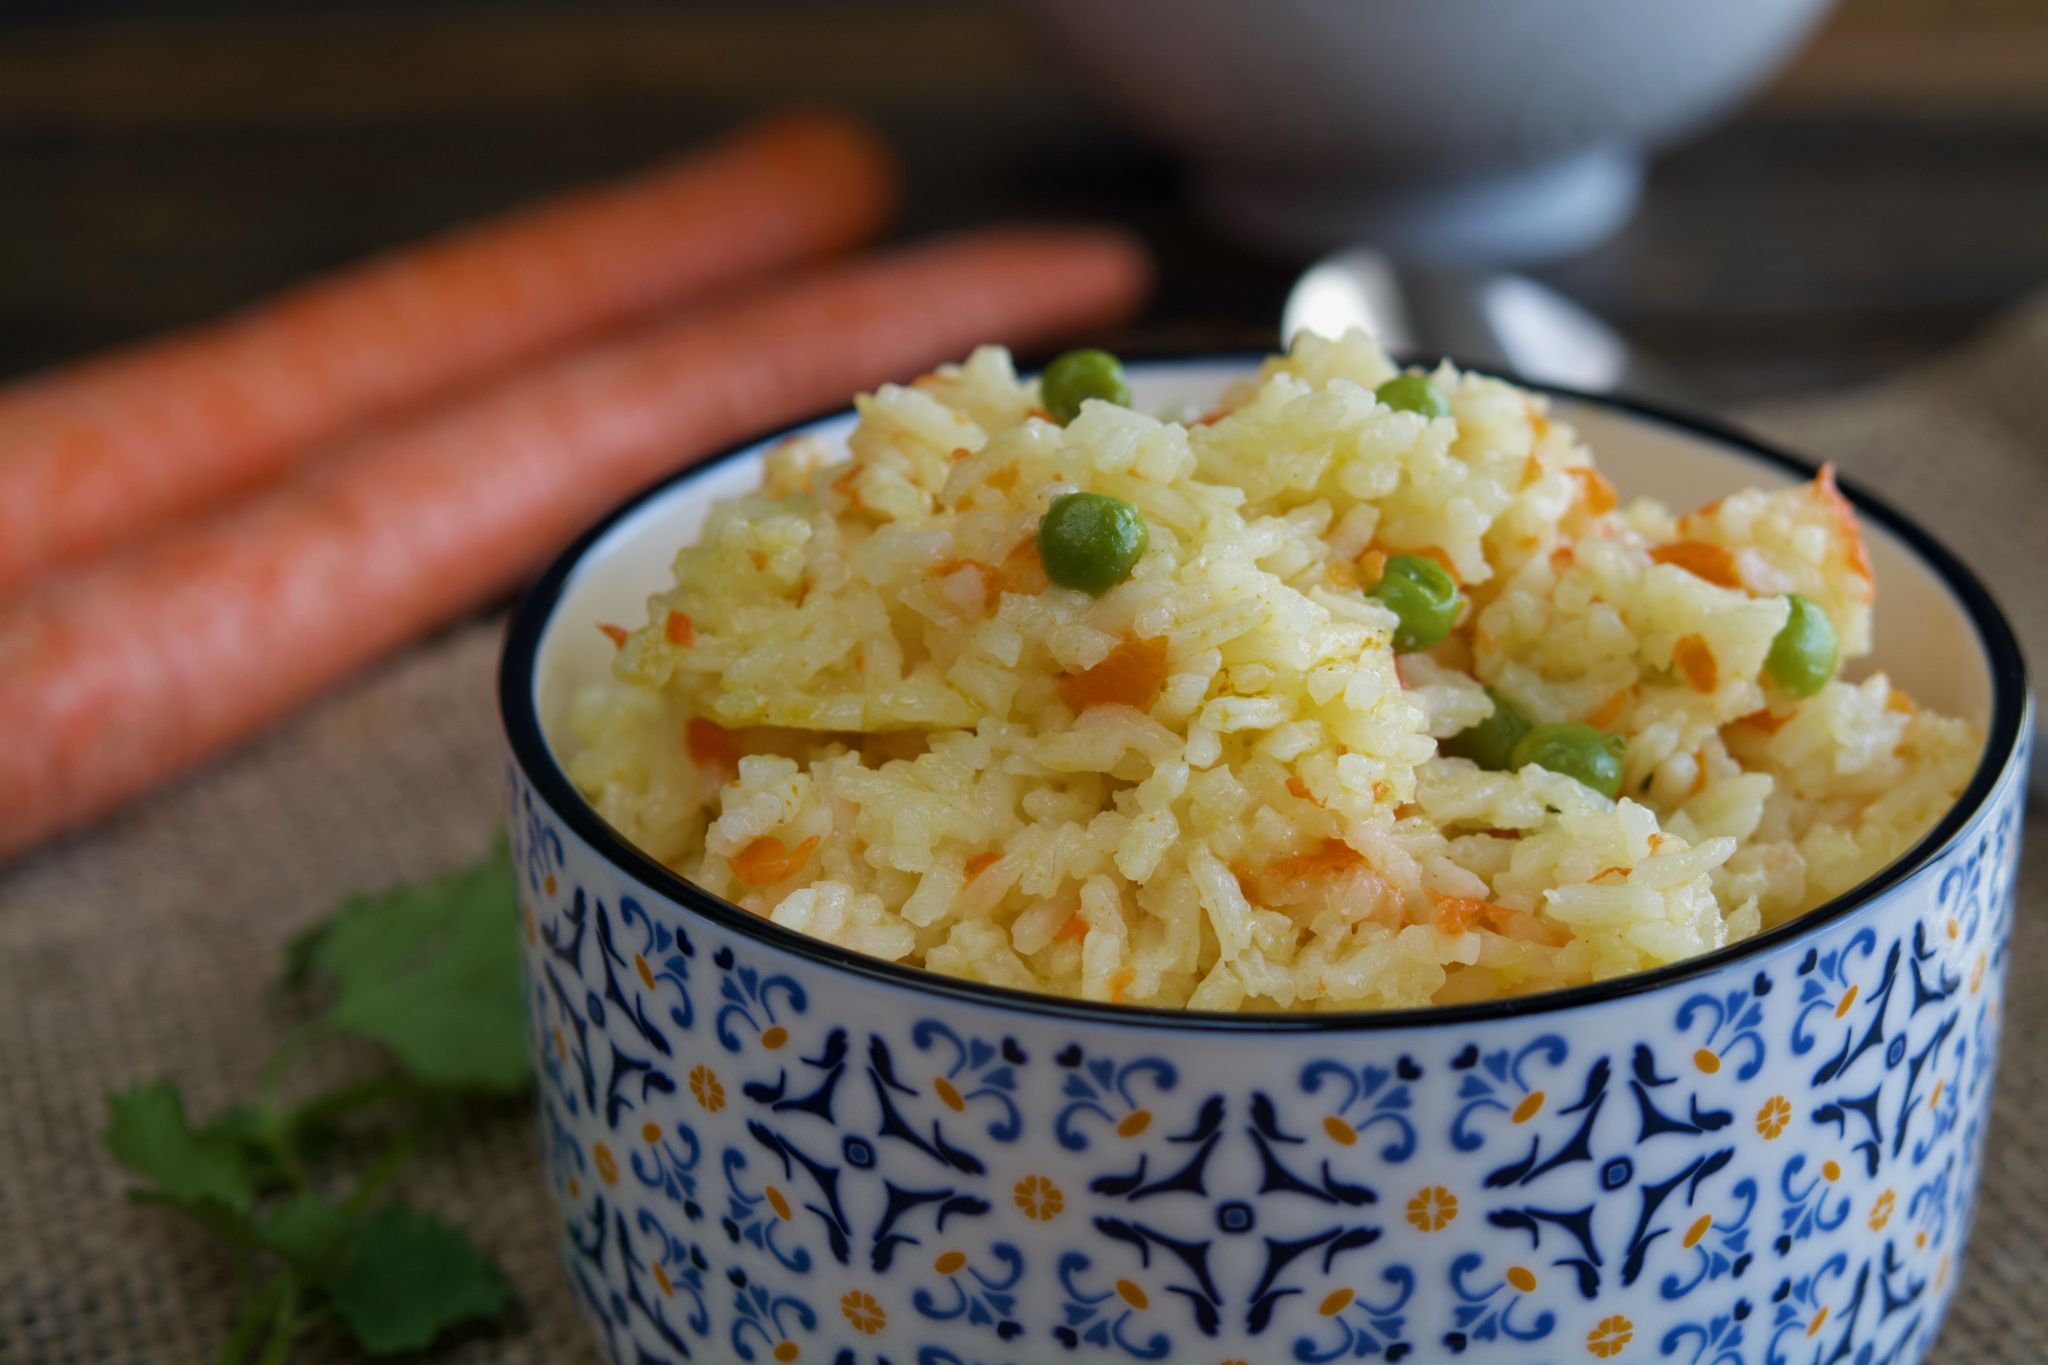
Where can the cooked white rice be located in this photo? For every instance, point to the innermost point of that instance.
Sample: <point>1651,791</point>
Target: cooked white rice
<point>855,711</point>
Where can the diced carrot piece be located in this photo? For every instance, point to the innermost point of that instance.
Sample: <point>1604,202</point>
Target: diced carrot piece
<point>1594,489</point>
<point>1343,574</point>
<point>768,860</point>
<point>1129,675</point>
<point>1901,701</point>
<point>1763,720</point>
<point>710,744</point>
<point>1844,513</point>
<point>681,630</point>
<point>1694,658</point>
<point>1611,709</point>
<point>616,634</point>
<point>1456,914</point>
<point>1532,470</point>
<point>1372,566</point>
<point>981,862</point>
<point>1003,479</point>
<point>1701,559</point>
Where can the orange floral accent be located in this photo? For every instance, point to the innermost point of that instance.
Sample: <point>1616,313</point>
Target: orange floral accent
<point>1530,1106</point>
<point>650,1133</point>
<point>768,860</point>
<point>680,629</point>
<point>1432,1209</point>
<point>1039,1198</point>
<point>710,744</point>
<point>785,1352</point>
<point>1610,1335</point>
<point>1134,1123</point>
<point>1701,559</point>
<point>1881,1211</point>
<point>861,1310</point>
<point>616,634</point>
<point>1134,1295</point>
<point>1522,1278</point>
<point>607,1165</point>
<point>1336,1302</point>
<point>1695,659</point>
<point>705,1085</point>
<point>1831,1170</point>
<point>1129,675</point>
<point>1707,1060</point>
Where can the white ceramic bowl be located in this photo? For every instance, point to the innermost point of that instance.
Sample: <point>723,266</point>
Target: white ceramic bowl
<point>1460,130</point>
<point>765,1148</point>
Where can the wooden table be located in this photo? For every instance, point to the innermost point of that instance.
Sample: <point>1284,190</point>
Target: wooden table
<point>164,162</point>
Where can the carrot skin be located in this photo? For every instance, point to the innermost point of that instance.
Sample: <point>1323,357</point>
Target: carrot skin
<point>94,454</point>
<point>141,666</point>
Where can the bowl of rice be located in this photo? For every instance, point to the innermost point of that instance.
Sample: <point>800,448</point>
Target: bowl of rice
<point>1262,859</point>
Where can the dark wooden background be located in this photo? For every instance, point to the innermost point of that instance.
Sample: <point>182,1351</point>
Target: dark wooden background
<point>163,161</point>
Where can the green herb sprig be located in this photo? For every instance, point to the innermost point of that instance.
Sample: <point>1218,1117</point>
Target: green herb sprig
<point>430,974</point>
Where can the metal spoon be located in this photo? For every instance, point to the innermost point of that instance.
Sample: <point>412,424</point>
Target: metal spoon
<point>1505,322</point>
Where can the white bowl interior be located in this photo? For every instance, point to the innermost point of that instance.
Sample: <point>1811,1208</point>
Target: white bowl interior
<point>1925,638</point>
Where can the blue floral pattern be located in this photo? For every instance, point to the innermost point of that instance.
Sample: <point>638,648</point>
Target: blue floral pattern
<point>759,1158</point>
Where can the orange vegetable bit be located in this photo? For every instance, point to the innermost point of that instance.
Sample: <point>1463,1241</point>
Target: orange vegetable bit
<point>1456,914</point>
<point>1299,790</point>
<point>680,629</point>
<point>1701,559</point>
<point>1129,675</point>
<point>1073,931</point>
<point>1694,657</point>
<point>1844,513</point>
<point>1332,855</point>
<point>768,860</point>
<point>1120,983</point>
<point>710,745</point>
<point>1763,720</point>
<point>1022,572</point>
<point>616,634</point>
<point>1611,709</point>
<point>1594,489</point>
<point>982,862</point>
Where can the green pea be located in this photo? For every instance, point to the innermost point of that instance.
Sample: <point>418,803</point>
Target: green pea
<point>1490,743</point>
<point>1418,591</point>
<point>1090,541</point>
<point>1078,376</point>
<point>1413,393</point>
<point>1804,652</point>
<point>1589,756</point>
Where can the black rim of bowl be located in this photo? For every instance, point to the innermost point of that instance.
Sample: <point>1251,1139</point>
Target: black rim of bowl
<point>517,705</point>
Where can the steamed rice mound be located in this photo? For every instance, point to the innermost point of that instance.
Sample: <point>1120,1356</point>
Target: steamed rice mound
<point>862,711</point>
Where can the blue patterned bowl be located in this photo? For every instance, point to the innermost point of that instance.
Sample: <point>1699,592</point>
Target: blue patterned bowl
<point>765,1148</point>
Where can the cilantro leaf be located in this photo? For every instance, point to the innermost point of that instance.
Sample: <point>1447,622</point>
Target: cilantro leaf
<point>317,1238</point>
<point>432,972</point>
<point>409,1278</point>
<point>187,1168</point>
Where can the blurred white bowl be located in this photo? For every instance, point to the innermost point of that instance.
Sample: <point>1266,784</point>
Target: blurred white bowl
<point>1446,130</point>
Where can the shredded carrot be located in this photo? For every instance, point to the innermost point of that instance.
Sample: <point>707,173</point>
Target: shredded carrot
<point>1701,559</point>
<point>1003,479</point>
<point>1844,512</point>
<point>1022,572</point>
<point>1657,841</point>
<point>1343,574</point>
<point>1212,417</point>
<point>1120,983</point>
<point>1598,493</point>
<point>1042,414</point>
<point>1611,874</point>
<point>960,453</point>
<point>1562,557</point>
<point>1073,931</point>
<point>710,744</point>
<point>1695,658</point>
<point>768,860</point>
<point>1532,470</point>
<point>843,485</point>
<point>1381,791</point>
<point>681,630</point>
<point>982,862</point>
<point>1699,773</point>
<point>1611,709</point>
<point>1900,700</point>
<point>1372,566</point>
<point>1247,880</point>
<point>616,634</point>
<point>1334,855</point>
<point>1456,914</point>
<point>1129,675</point>
<point>759,560</point>
<point>1299,789</point>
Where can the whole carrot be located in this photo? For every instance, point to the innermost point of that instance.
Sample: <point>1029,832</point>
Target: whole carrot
<point>140,666</point>
<point>93,454</point>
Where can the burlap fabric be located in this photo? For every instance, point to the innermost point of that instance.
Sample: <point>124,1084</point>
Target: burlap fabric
<point>150,946</point>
